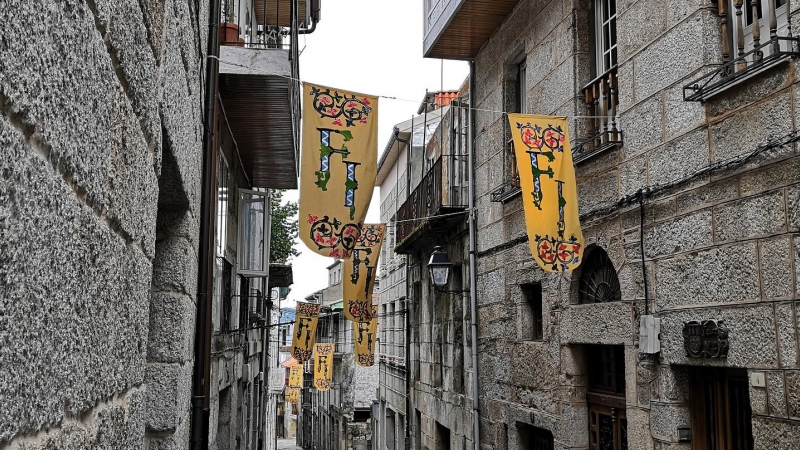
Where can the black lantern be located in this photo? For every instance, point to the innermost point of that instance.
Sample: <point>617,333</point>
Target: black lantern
<point>439,267</point>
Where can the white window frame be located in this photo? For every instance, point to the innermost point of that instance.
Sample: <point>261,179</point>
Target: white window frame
<point>601,47</point>
<point>781,17</point>
<point>265,239</point>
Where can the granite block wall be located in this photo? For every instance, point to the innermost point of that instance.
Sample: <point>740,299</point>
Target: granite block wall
<point>721,245</point>
<point>101,134</point>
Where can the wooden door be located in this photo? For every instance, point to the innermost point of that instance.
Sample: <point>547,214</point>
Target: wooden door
<point>608,428</point>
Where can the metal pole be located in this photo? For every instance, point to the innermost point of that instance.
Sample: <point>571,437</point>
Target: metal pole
<point>473,289</point>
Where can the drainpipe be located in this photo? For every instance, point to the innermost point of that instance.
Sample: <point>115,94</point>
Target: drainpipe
<point>201,376</point>
<point>315,8</point>
<point>409,303</point>
<point>473,285</point>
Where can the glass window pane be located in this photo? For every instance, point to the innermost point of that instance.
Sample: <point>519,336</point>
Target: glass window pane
<point>613,30</point>
<point>252,240</point>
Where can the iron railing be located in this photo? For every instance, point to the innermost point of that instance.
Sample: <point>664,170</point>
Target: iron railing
<point>264,24</point>
<point>602,128</point>
<point>744,67</point>
<point>436,192</point>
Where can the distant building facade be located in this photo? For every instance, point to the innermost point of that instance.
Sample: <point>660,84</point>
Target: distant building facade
<point>419,167</point>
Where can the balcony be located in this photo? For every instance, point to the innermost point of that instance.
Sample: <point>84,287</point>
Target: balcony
<point>761,58</point>
<point>258,88</point>
<point>431,207</point>
<point>457,29</point>
<point>602,128</point>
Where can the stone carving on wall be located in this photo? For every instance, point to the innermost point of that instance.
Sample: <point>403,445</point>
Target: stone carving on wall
<point>705,339</point>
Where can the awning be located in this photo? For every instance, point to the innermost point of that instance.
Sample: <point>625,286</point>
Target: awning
<point>255,92</point>
<point>289,363</point>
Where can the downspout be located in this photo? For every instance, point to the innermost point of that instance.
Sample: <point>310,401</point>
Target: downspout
<point>409,303</point>
<point>201,376</point>
<point>315,5</point>
<point>473,285</point>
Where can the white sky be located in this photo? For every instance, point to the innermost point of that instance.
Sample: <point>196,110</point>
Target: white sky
<point>373,47</point>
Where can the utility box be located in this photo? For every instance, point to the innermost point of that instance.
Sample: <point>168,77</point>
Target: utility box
<point>649,334</point>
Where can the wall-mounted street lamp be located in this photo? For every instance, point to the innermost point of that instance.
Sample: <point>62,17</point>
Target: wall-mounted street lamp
<point>439,267</point>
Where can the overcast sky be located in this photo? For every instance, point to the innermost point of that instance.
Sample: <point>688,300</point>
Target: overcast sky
<point>373,47</point>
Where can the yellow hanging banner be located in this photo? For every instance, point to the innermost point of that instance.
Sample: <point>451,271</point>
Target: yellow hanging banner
<point>360,271</point>
<point>549,193</point>
<point>323,366</point>
<point>364,339</point>
<point>296,376</point>
<point>305,330</point>
<point>337,169</point>
<point>292,395</point>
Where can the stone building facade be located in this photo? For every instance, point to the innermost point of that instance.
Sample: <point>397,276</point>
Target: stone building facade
<point>690,214</point>
<point>102,136</point>
<point>422,366</point>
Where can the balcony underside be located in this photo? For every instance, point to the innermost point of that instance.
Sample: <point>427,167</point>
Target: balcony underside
<point>428,232</point>
<point>255,92</point>
<point>462,29</point>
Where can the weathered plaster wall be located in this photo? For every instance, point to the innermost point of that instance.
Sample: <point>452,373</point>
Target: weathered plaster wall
<point>100,131</point>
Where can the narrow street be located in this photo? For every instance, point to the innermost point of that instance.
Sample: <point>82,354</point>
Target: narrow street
<point>288,444</point>
<point>400,225</point>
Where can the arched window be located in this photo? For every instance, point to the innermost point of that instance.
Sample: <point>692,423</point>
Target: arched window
<point>598,281</point>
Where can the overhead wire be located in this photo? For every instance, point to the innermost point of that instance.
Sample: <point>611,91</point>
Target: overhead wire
<point>388,97</point>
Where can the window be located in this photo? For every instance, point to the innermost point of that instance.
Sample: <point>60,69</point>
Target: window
<point>720,409</point>
<point>223,175</point>
<point>520,106</point>
<point>226,293</point>
<point>604,36</point>
<point>600,94</point>
<point>755,37</point>
<point>254,233</point>
<point>757,28</point>
<point>442,437</point>
<point>533,438</point>
<point>598,281</point>
<point>608,425</point>
<point>521,87</point>
<point>532,326</point>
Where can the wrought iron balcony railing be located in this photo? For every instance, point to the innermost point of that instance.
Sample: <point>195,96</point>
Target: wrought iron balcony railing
<point>263,24</point>
<point>602,128</point>
<point>441,191</point>
<point>746,66</point>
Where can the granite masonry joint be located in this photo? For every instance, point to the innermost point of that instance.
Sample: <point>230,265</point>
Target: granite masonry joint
<point>43,150</point>
<point>117,67</point>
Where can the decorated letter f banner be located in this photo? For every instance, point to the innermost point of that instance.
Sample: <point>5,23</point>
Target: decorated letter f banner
<point>360,272</point>
<point>338,168</point>
<point>305,331</point>
<point>549,194</point>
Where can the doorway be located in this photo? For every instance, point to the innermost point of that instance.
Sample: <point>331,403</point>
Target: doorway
<point>608,425</point>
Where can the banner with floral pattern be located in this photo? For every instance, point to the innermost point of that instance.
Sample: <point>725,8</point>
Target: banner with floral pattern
<point>292,395</point>
<point>338,165</point>
<point>360,271</point>
<point>323,366</point>
<point>549,192</point>
<point>364,334</point>
<point>305,330</point>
